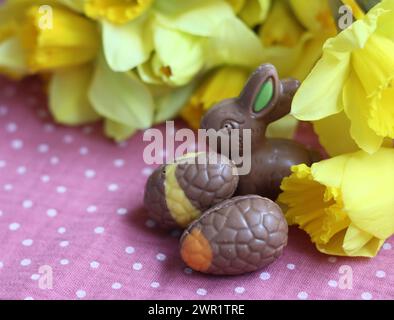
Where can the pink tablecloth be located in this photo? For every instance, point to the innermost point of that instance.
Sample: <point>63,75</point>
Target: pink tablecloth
<point>71,200</point>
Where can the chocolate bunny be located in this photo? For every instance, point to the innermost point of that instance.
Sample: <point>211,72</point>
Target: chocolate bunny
<point>264,100</point>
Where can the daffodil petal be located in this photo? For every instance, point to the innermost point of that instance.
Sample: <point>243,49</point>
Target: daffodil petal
<point>330,172</point>
<point>367,188</point>
<point>283,128</point>
<point>12,57</point>
<point>197,17</point>
<point>169,104</point>
<point>234,43</point>
<point>76,5</point>
<point>358,243</point>
<point>356,108</point>
<point>334,135</point>
<point>68,99</point>
<point>326,80</point>
<point>121,97</point>
<point>255,11</point>
<point>178,63</point>
<point>118,131</point>
<point>127,46</point>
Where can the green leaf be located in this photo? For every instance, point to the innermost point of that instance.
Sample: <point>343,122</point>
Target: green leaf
<point>121,97</point>
<point>68,98</point>
<point>264,97</point>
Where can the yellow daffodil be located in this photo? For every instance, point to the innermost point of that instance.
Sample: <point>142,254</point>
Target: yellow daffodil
<point>345,204</point>
<point>315,16</point>
<point>116,11</point>
<point>67,40</point>
<point>252,12</point>
<point>351,87</point>
<point>290,46</point>
<point>185,45</point>
<point>224,83</point>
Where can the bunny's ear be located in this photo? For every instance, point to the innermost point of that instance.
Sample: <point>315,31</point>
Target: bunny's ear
<point>261,91</point>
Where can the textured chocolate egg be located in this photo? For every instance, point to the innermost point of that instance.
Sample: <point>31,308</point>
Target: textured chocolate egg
<point>237,236</point>
<point>177,194</point>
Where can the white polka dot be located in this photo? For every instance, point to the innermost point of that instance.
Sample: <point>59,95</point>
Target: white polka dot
<point>27,242</point>
<point>188,270</point>
<point>150,223</point>
<point>83,151</point>
<point>45,178</point>
<point>21,170</point>
<point>25,262</point>
<point>387,246</point>
<point>161,257</point>
<point>137,266</point>
<point>94,264</point>
<point>380,274</point>
<point>155,285</point>
<point>332,259</point>
<point>61,230</point>
<point>119,163</point>
<point>48,127</point>
<point>54,160</point>
<point>302,295</point>
<point>129,250</point>
<point>265,276</point>
<point>43,148</point>
<point>27,204</point>
<point>17,144</point>
<point>122,144</point>
<point>68,139</point>
<point>1,264</point>
<point>91,209</point>
<point>52,213</point>
<point>366,296</point>
<point>90,173</point>
<point>29,298</point>
<point>116,286</point>
<point>239,290</point>
<point>3,111</point>
<point>8,187</point>
<point>35,277</point>
<point>113,187</point>
<point>121,211</point>
<point>290,266</point>
<point>14,226</point>
<point>147,171</point>
<point>64,243</point>
<point>61,189</point>
<point>201,292</point>
<point>87,130</point>
<point>11,127</point>
<point>99,230</point>
<point>64,262</point>
<point>333,283</point>
<point>1,213</point>
<point>81,294</point>
<point>2,163</point>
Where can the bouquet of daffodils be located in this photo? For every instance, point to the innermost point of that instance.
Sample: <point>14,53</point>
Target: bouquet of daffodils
<point>136,63</point>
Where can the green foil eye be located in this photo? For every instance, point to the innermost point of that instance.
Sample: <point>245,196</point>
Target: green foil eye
<point>264,97</point>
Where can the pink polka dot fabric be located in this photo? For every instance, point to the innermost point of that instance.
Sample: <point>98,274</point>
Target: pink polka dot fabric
<point>71,204</point>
